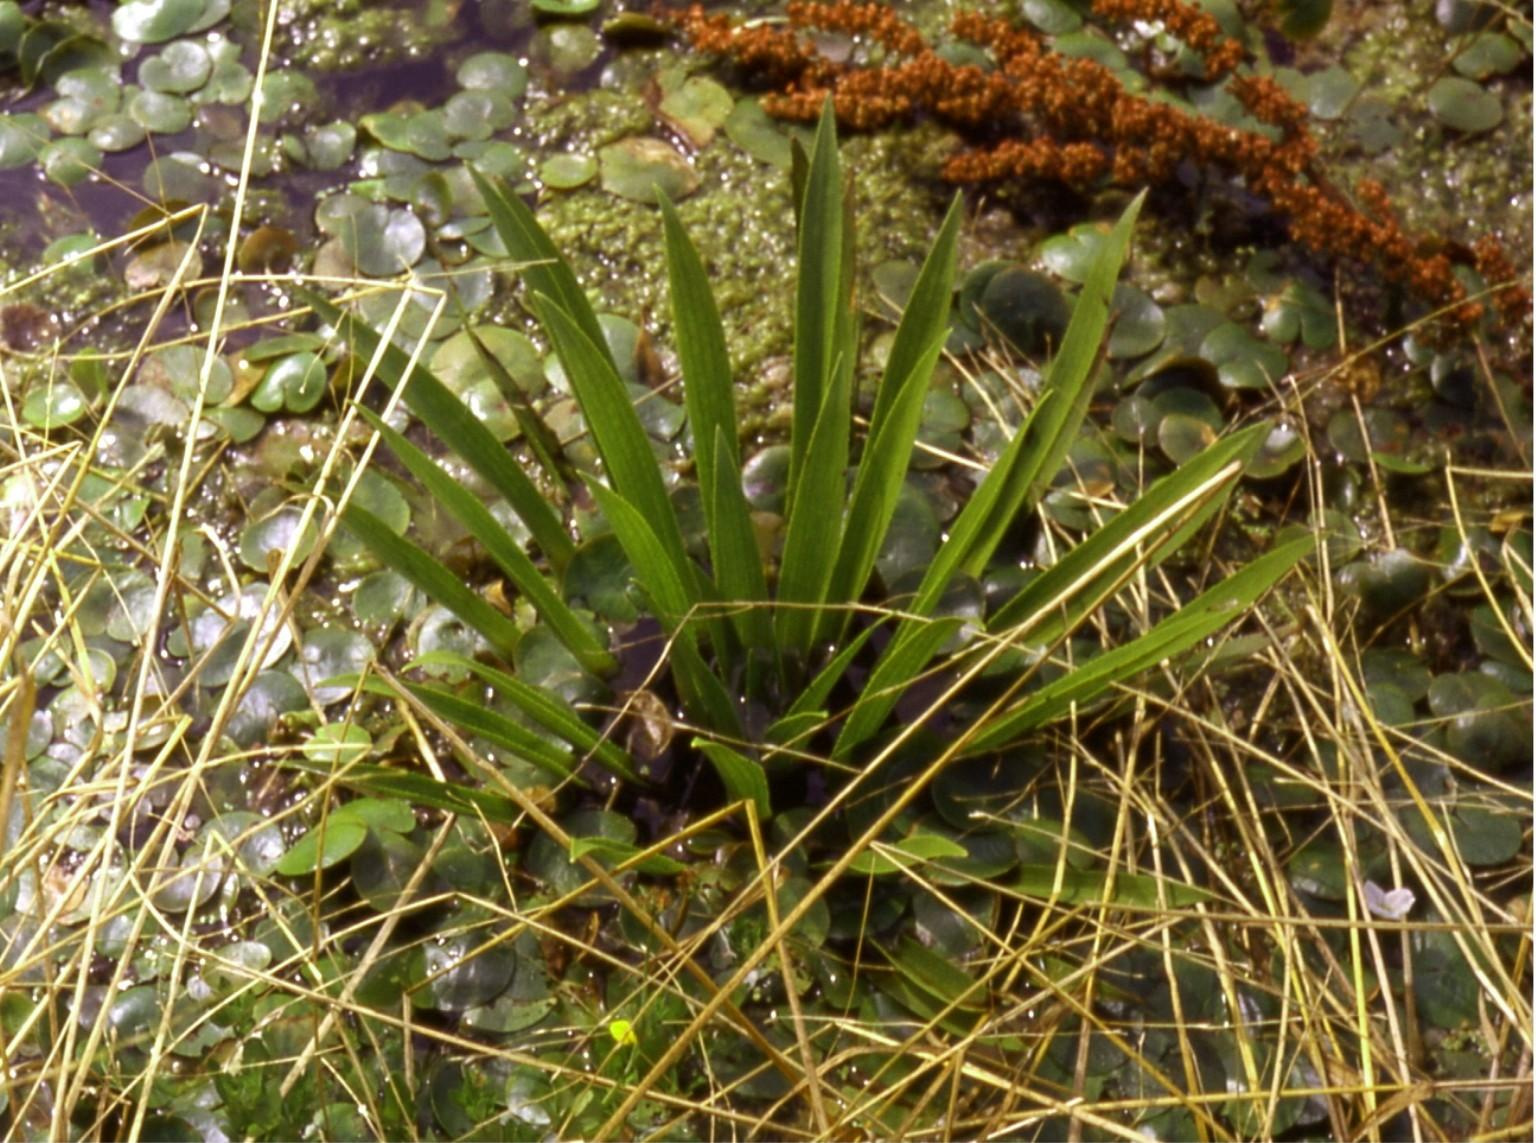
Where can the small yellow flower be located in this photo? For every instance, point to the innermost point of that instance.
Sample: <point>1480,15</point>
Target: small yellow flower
<point>622,1032</point>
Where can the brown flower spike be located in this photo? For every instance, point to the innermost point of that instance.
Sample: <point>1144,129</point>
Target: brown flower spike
<point>1071,120</point>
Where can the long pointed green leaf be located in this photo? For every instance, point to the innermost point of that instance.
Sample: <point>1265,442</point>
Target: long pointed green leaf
<point>671,599</point>
<point>897,415</point>
<point>539,436</point>
<point>818,290</point>
<point>419,789</point>
<point>631,466</point>
<point>815,520</point>
<point>506,551</point>
<point>544,270</point>
<point>497,729</point>
<point>551,712</point>
<point>1032,456</point>
<point>889,680</point>
<point>1037,449</point>
<point>1158,523</point>
<point>1069,379</point>
<point>742,777</point>
<point>733,550</point>
<point>434,579</point>
<point>1055,603</point>
<point>707,388</point>
<point>1188,627</point>
<point>455,425</point>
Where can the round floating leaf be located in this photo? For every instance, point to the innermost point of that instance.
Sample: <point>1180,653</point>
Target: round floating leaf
<point>698,108</point>
<point>385,242</point>
<point>1484,837</point>
<point>231,82</point>
<point>1300,311</point>
<point>1385,432</point>
<point>1463,105</point>
<point>239,424</point>
<point>286,93</point>
<point>1025,308</point>
<point>569,48</point>
<point>1319,868</point>
<point>330,146</point>
<point>22,136</point>
<point>116,132</point>
<point>296,383</point>
<point>1053,17</point>
<point>1389,583</point>
<point>134,1014</point>
<point>328,843</point>
<point>196,880</point>
<point>1399,667</point>
<point>179,176</point>
<point>765,478</point>
<point>455,973</point>
<point>328,652</point>
<point>478,114</point>
<point>155,21</point>
<point>599,576</point>
<point>1281,450</point>
<point>271,695</point>
<point>85,96</point>
<point>161,113</point>
<point>267,250</point>
<point>426,136</point>
<point>1071,255</point>
<point>565,7</point>
<point>1445,987</point>
<point>384,597</point>
<point>494,71</point>
<point>215,635</point>
<point>636,169</point>
<point>1329,92</point>
<point>1389,704</point>
<point>442,630</point>
<point>1183,437</point>
<point>179,69</point>
<point>179,369</point>
<point>1243,361</point>
<point>257,841</point>
<point>382,496</point>
<point>53,405</point>
<point>1139,323</point>
<point>1135,420</point>
<point>68,161</point>
<point>158,265</point>
<point>1489,53</point>
<point>759,135</point>
<point>1488,726</point>
<point>383,866</point>
<point>913,537</point>
<point>275,534</point>
<point>553,865</point>
<point>458,363</point>
<point>566,172</point>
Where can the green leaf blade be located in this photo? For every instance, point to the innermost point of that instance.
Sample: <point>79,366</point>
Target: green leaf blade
<point>432,577</point>
<point>897,414</point>
<point>448,418</point>
<point>630,464</point>
<point>508,554</point>
<point>1186,628</point>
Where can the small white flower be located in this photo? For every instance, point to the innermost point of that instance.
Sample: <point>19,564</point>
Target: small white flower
<point>1393,905</point>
